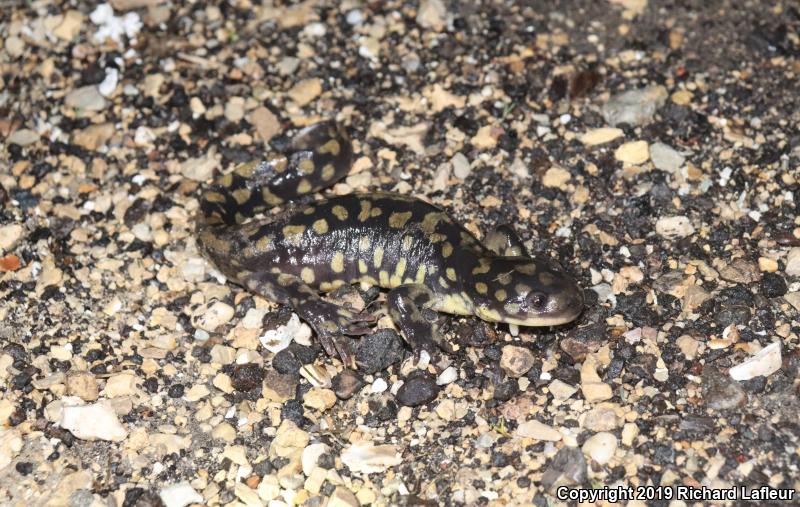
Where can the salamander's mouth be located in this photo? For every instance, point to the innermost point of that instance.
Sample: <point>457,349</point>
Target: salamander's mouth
<point>532,321</point>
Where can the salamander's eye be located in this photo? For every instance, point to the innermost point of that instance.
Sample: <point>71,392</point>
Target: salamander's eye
<point>537,300</point>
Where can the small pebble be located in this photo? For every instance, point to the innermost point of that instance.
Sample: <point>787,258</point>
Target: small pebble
<point>516,361</point>
<point>418,389</point>
<point>346,384</point>
<point>600,447</point>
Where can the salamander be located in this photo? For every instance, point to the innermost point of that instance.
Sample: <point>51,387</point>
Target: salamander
<point>397,242</point>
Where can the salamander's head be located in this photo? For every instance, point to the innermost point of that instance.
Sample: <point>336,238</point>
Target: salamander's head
<point>525,291</point>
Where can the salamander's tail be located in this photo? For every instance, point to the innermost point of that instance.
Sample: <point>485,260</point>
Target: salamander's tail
<point>315,158</point>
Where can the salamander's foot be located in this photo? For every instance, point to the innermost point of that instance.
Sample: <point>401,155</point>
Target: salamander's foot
<point>331,322</point>
<point>406,303</point>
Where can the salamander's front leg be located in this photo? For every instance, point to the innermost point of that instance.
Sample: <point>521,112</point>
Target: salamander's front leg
<point>328,320</point>
<point>405,307</point>
<point>505,242</point>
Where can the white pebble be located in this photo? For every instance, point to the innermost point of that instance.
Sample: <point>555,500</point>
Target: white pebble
<point>97,421</point>
<point>355,17</point>
<point>379,386</point>
<point>449,375</point>
<point>600,447</point>
<point>765,363</point>
<point>180,495</point>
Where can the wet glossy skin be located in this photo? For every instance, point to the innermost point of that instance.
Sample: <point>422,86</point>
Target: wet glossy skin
<point>394,241</point>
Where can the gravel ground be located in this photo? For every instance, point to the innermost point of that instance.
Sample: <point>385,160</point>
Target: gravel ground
<point>651,147</point>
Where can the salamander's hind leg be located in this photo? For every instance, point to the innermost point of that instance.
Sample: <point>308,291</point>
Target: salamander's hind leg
<point>406,303</point>
<point>505,242</point>
<point>328,320</point>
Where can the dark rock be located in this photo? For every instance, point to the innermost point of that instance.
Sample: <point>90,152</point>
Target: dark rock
<point>419,388</point>
<point>140,497</point>
<point>475,334</point>
<point>773,285</point>
<point>733,314</point>
<point>175,391</point>
<point>697,424</point>
<point>755,384</point>
<point>278,386</point>
<point>247,377</point>
<point>720,391</point>
<point>286,362</point>
<point>664,454</point>
<point>16,351</point>
<point>583,340</point>
<point>346,384</point>
<point>24,467</point>
<point>293,411</point>
<point>791,363</point>
<point>636,310</point>
<point>304,354</point>
<point>378,351</point>
<point>506,390</point>
<point>567,468</point>
<point>642,365</point>
<point>151,385</point>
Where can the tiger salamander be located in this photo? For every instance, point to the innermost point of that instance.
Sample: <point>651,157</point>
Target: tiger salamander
<point>391,240</point>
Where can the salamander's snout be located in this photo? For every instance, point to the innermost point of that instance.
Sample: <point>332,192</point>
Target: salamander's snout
<point>528,292</point>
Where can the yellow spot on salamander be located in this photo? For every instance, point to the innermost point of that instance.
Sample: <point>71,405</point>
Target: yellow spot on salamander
<point>420,278</point>
<point>383,278</point>
<point>242,195</point>
<point>294,234</point>
<point>213,197</point>
<point>307,275</point>
<point>271,198</point>
<point>484,265</point>
<point>337,262</point>
<point>226,180</point>
<point>443,283</point>
<point>437,237</point>
<point>362,266</point>
<point>407,242</point>
<point>304,186</point>
<point>328,172</point>
<point>447,249</point>
<point>430,220</point>
<point>320,226</point>
<point>451,274</point>
<point>398,219</point>
<point>481,288</point>
<point>364,243</point>
<point>488,314</point>
<point>306,166</point>
<point>546,278</point>
<point>526,269</point>
<point>400,269</point>
<point>278,163</point>
<point>454,304</point>
<point>331,147</point>
<point>247,169</point>
<point>377,257</point>
<point>263,243</point>
<point>500,295</point>
<point>511,308</point>
<point>504,279</point>
<point>366,207</point>
<point>339,212</point>
<point>395,281</point>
